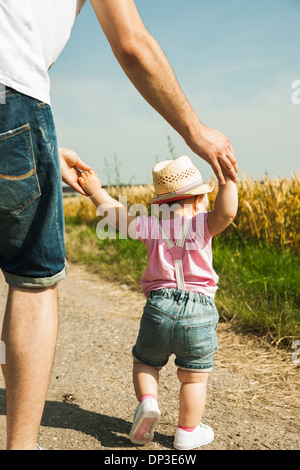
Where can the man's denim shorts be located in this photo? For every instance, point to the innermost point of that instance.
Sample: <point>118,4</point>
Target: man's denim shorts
<point>181,323</point>
<point>32,245</point>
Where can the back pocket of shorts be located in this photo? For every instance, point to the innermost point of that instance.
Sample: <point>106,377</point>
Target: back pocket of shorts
<point>199,339</point>
<point>19,185</point>
<point>149,330</point>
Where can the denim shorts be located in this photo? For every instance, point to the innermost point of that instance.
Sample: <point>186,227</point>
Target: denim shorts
<point>32,245</point>
<point>181,323</point>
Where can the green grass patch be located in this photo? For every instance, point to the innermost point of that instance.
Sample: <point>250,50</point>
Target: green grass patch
<point>258,285</point>
<point>118,260</point>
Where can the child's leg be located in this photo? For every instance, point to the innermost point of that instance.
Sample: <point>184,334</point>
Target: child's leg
<point>145,379</point>
<point>192,397</point>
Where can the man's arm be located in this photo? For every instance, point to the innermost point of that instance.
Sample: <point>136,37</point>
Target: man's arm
<point>147,67</point>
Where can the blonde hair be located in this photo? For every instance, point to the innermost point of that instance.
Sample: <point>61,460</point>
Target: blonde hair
<point>200,198</point>
<point>192,200</point>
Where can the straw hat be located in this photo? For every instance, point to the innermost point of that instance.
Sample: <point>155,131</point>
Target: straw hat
<point>178,179</point>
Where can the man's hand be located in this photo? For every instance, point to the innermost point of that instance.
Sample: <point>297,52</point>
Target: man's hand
<point>71,167</point>
<point>215,148</point>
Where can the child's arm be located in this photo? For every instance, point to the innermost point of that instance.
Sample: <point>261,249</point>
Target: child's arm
<point>225,207</point>
<point>116,214</point>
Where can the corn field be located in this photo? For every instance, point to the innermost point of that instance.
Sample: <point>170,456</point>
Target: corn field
<point>269,210</point>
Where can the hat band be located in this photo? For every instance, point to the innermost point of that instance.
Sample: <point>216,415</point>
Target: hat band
<point>183,190</point>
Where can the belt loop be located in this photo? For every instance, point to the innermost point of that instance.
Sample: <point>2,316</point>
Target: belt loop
<point>181,297</point>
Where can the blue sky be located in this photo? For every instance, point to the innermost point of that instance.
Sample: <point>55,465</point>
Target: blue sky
<point>235,61</point>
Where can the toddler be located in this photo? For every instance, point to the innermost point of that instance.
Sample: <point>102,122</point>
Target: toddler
<point>180,316</point>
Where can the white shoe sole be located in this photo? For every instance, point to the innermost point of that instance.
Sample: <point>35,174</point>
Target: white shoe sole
<point>143,431</point>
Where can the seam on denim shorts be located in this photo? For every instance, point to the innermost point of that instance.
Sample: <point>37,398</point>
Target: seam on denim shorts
<point>54,150</point>
<point>41,106</point>
<point>13,133</point>
<point>162,312</point>
<point>17,178</point>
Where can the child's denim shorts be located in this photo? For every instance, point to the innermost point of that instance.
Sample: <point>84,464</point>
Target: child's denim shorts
<point>32,243</point>
<point>181,323</point>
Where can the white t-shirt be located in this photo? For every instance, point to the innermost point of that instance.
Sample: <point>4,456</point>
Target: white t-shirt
<point>33,33</point>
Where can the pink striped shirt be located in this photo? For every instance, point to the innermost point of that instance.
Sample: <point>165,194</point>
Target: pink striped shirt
<point>199,275</point>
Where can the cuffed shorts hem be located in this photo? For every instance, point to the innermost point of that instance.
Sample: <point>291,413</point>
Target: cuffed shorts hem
<point>200,368</point>
<point>35,283</point>
<point>144,361</point>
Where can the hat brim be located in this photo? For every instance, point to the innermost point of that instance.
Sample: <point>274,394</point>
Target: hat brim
<point>201,189</point>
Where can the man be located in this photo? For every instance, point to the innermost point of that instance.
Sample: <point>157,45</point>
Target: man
<point>32,254</point>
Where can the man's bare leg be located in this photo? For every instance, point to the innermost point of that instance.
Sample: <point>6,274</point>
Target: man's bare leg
<point>29,333</point>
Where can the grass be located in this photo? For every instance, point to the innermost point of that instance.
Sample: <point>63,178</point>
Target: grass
<point>118,260</point>
<point>258,286</point>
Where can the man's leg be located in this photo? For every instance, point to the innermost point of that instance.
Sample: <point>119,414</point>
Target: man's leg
<point>30,334</point>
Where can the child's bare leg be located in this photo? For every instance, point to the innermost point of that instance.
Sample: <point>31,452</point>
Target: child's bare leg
<point>192,397</point>
<point>145,379</point>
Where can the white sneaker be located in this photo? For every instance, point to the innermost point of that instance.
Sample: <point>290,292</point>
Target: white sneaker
<point>201,436</point>
<point>145,420</point>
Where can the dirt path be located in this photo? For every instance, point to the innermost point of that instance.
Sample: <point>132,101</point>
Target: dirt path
<point>253,396</point>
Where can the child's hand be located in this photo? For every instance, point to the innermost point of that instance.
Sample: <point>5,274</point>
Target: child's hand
<point>90,182</point>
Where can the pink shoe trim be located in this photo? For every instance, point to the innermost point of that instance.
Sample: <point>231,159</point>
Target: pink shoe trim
<point>187,429</point>
<point>144,397</point>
